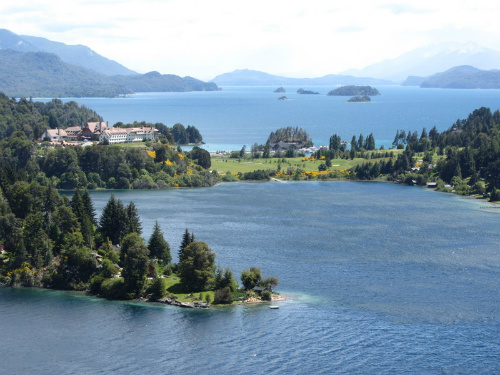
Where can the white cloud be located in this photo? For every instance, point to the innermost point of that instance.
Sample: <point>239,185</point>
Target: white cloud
<point>203,39</point>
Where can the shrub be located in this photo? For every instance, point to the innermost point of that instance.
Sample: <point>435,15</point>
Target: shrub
<point>223,296</point>
<point>157,289</point>
<point>266,295</point>
<point>113,288</point>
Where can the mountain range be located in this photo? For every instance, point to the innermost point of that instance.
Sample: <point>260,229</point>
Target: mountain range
<point>459,77</point>
<point>78,55</point>
<point>426,61</point>
<point>38,67</point>
<point>247,77</point>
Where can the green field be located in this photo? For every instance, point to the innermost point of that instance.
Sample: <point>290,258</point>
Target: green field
<point>224,165</point>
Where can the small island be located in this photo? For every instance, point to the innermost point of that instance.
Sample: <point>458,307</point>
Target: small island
<point>307,92</point>
<point>283,98</point>
<point>359,99</point>
<point>280,90</point>
<point>354,91</point>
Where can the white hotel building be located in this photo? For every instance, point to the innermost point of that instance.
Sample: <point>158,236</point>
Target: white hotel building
<point>128,135</point>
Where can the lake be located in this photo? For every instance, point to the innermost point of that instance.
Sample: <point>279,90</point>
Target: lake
<point>382,279</point>
<point>238,116</point>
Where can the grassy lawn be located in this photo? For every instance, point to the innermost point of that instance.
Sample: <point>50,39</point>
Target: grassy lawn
<point>174,286</point>
<point>224,165</point>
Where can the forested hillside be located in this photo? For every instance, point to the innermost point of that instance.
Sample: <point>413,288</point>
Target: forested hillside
<point>41,74</point>
<point>33,118</point>
<point>466,156</point>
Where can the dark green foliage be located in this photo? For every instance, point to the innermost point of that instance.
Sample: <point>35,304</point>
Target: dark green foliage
<point>197,268</point>
<point>132,220</point>
<point>180,134</point>
<point>290,135</point>
<point>113,288</point>
<point>77,265</point>
<point>266,295</point>
<point>158,247</point>
<point>259,174</point>
<point>250,278</point>
<point>112,220</point>
<point>269,282</point>
<point>201,157</point>
<point>134,260</point>
<point>359,99</point>
<point>193,134</point>
<point>187,238</point>
<point>225,279</point>
<point>307,92</point>
<point>223,296</point>
<point>157,289</point>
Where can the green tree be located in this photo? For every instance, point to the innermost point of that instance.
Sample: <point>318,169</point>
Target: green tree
<point>134,260</point>
<point>187,238</point>
<point>197,268</point>
<point>133,222</point>
<point>180,134</point>
<point>223,296</point>
<point>112,221</point>
<point>158,247</point>
<point>250,278</point>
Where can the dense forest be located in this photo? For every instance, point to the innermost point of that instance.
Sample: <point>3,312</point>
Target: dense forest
<point>466,157</point>
<point>23,121</point>
<point>49,240</point>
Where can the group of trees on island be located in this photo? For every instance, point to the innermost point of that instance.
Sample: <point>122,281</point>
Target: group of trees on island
<point>49,240</point>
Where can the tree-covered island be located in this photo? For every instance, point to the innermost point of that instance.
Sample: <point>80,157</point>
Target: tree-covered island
<point>359,99</point>
<point>306,92</point>
<point>354,91</point>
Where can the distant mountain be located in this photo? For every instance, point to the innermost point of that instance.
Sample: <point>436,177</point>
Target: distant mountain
<point>78,55</point>
<point>428,60</point>
<point>156,82</point>
<point>246,77</point>
<point>41,74</point>
<point>459,77</point>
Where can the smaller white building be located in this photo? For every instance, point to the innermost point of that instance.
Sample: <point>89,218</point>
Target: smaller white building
<point>128,135</point>
<point>55,135</point>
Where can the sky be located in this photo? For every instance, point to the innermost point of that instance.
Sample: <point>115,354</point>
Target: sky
<point>203,38</point>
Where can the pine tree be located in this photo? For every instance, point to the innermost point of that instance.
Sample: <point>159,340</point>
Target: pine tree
<point>133,222</point>
<point>187,238</point>
<point>158,247</point>
<point>112,221</point>
<point>89,206</point>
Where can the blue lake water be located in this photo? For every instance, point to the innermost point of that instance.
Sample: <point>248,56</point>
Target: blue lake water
<point>382,279</point>
<point>238,116</point>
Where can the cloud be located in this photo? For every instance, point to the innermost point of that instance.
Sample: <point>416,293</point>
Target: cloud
<point>350,29</point>
<point>203,39</point>
<point>403,8</point>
